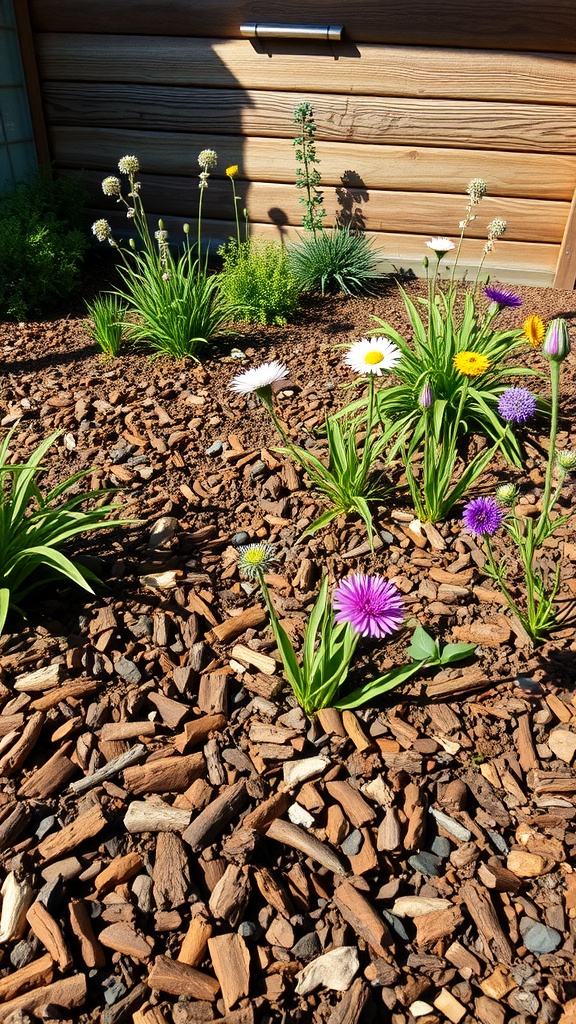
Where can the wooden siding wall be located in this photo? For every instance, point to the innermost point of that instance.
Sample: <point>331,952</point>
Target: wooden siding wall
<point>412,104</point>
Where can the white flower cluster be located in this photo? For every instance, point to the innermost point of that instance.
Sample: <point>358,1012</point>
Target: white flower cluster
<point>111,186</point>
<point>102,230</point>
<point>129,165</point>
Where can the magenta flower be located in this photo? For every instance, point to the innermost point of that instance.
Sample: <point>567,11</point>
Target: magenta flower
<point>483,516</point>
<point>517,405</point>
<point>503,297</point>
<point>370,604</point>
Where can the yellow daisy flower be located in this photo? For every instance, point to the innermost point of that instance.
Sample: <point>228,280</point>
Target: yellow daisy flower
<point>471,364</point>
<point>534,329</point>
<point>232,171</point>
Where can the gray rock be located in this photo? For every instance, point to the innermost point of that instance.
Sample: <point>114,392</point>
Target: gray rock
<point>441,847</point>
<point>524,1002</point>
<point>538,938</point>
<point>45,826</point>
<point>499,842</point>
<point>240,538</point>
<point>127,670</point>
<point>114,989</point>
<point>426,863</point>
<point>258,469</point>
<point>162,532</point>
<point>307,947</point>
<point>216,448</point>
<point>51,895</point>
<point>144,626</point>
<point>396,925</point>
<point>352,844</point>
<point>22,954</point>
<point>249,930</point>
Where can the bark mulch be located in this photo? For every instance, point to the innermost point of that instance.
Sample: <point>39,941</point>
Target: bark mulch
<point>178,843</point>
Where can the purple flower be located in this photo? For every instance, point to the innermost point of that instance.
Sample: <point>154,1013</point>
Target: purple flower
<point>556,343</point>
<point>503,297</point>
<point>371,605</point>
<point>483,516</point>
<point>426,398</point>
<point>517,405</point>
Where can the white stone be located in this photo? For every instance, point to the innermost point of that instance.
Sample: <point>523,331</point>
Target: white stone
<point>420,1008</point>
<point>300,816</point>
<point>415,906</point>
<point>335,970</point>
<point>562,742</point>
<point>296,772</point>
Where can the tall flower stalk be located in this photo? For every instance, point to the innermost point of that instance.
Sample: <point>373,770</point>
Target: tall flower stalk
<point>307,175</point>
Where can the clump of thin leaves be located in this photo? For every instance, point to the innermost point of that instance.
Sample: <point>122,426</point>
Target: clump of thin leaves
<point>107,324</point>
<point>35,526</point>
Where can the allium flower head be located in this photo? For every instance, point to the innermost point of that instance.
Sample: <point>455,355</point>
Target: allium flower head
<point>129,165</point>
<point>477,189</point>
<point>111,186</point>
<point>483,516</point>
<point>426,397</point>
<point>259,378</point>
<point>534,330</point>
<point>507,494</point>
<point>208,159</point>
<point>496,227</point>
<point>556,343</point>
<point>373,355</point>
<point>517,405</point>
<point>503,297</point>
<point>255,559</point>
<point>101,229</point>
<point>471,364</point>
<point>566,460</point>
<point>232,171</point>
<point>440,246</point>
<point>370,604</point>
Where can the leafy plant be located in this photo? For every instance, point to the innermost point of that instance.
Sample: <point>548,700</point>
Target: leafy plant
<point>257,282</point>
<point>425,648</point>
<point>341,260</point>
<point>108,323</point>
<point>35,526</point>
<point>42,243</point>
<point>307,175</point>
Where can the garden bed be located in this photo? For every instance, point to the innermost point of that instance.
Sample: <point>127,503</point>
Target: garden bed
<point>458,789</point>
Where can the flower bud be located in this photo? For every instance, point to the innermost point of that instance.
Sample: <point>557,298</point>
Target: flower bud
<point>161,225</point>
<point>426,398</point>
<point>566,460</point>
<point>557,343</point>
<point>425,263</point>
<point>507,494</point>
<point>186,228</point>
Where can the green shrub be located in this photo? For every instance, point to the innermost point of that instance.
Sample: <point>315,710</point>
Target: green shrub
<point>41,244</point>
<point>340,260</point>
<point>257,282</point>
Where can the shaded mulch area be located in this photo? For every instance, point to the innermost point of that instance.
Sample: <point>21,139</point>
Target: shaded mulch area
<point>186,845</point>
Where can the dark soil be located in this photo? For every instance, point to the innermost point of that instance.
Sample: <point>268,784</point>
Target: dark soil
<point>479,742</point>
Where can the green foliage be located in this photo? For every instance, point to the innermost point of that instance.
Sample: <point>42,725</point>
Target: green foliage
<point>425,648</point>
<point>341,260</point>
<point>35,526</point>
<point>257,282</point>
<point>108,323</point>
<point>307,175</point>
<point>41,244</point>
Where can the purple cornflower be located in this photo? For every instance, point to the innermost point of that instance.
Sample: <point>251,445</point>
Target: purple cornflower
<point>517,405</point>
<point>370,604</point>
<point>483,516</point>
<point>503,297</point>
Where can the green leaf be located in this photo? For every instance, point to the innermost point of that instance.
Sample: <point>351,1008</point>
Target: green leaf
<point>370,691</point>
<point>423,645</point>
<point>456,652</point>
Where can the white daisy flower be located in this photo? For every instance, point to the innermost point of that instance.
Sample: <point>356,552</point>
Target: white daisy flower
<point>258,377</point>
<point>440,246</point>
<point>373,355</point>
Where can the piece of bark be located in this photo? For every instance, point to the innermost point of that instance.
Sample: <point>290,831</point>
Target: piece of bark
<point>109,770</point>
<point>292,835</point>
<point>467,682</point>
<point>365,921</point>
<point>195,942</point>
<point>249,618</point>
<point>121,1010</point>
<point>150,816</point>
<point>494,875</point>
<point>68,993</point>
<point>355,807</point>
<point>349,1008</point>
<point>216,816</point>
<point>119,870</point>
<point>389,835</point>
<point>81,923</point>
<point>231,962</point>
<point>483,914</point>
<point>230,895</point>
<point>148,1014</point>
<point>50,776</point>
<point>38,973</point>
<point>198,730</point>
<point>85,826</point>
<point>165,775</point>
<point>498,984</point>
<point>488,1011</point>
<point>40,679</point>
<point>14,823</point>
<point>258,660</point>
<point>171,875</point>
<point>526,752</point>
<point>484,793</point>
<point>415,805</point>
<point>178,979</point>
<point>268,811</point>
<point>127,730</point>
<point>79,688</point>
<point>526,865</point>
<point>431,927</point>
<point>195,798</point>
<point>13,760</point>
<point>463,960</point>
<point>356,733</point>
<point>124,939</point>
<point>274,894</point>
<point>50,934</point>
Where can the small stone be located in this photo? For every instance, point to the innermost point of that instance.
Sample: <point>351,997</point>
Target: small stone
<point>352,844</point>
<point>562,742</point>
<point>51,895</point>
<point>335,970</point>
<point>426,863</point>
<point>45,826</point>
<point>162,532</point>
<point>258,469</point>
<point>415,906</point>
<point>249,930</point>
<point>300,816</point>
<point>441,847</point>
<point>420,1008</point>
<point>307,947</point>
<point>538,938</point>
<point>241,538</point>
<point>114,989</point>
<point>214,449</point>
<point>22,954</point>
<point>127,670</point>
<point>396,925</point>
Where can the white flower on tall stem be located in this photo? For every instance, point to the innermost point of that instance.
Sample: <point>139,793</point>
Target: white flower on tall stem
<point>259,378</point>
<point>373,355</point>
<point>440,246</point>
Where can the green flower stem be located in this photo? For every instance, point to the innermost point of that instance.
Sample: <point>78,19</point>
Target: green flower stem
<point>496,574</point>
<point>544,518</point>
<point>369,424</point>
<point>268,404</point>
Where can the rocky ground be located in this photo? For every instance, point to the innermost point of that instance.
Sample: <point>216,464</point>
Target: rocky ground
<point>178,842</point>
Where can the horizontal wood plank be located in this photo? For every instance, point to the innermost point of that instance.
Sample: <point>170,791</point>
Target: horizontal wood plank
<point>510,262</point>
<point>408,168</point>
<point>395,121</point>
<point>406,212</point>
<point>524,23</point>
<point>369,70</point>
